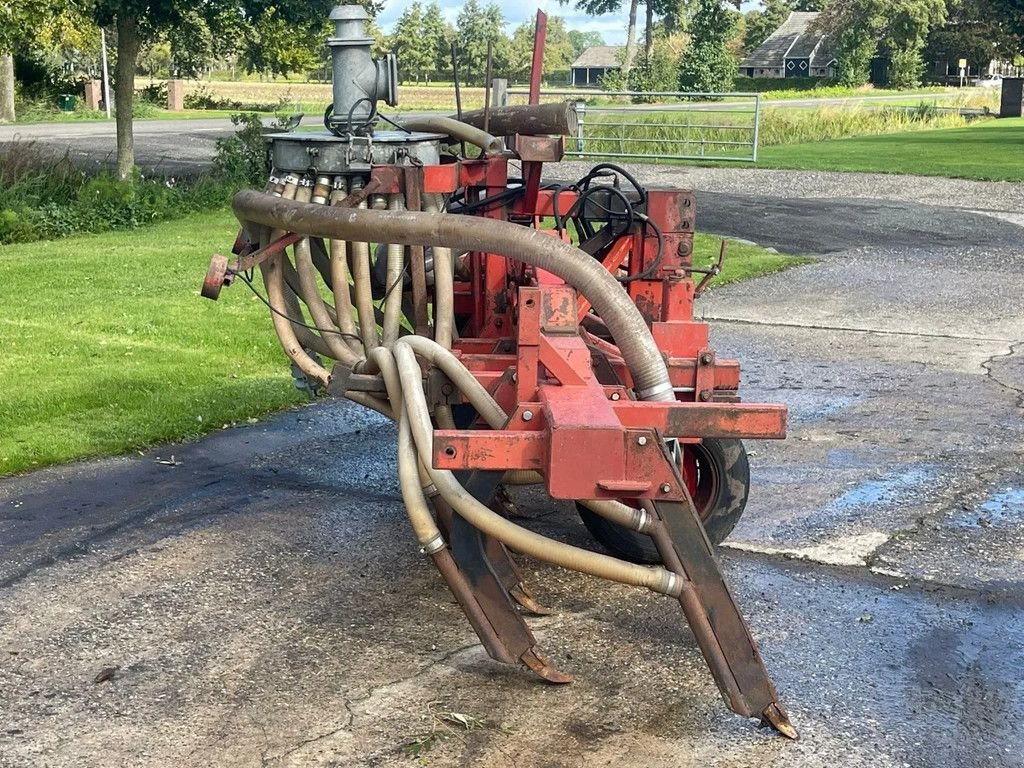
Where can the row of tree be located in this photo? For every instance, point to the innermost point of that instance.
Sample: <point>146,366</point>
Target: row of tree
<point>695,45</point>
<point>425,44</point>
<point>905,34</point>
<point>692,45</point>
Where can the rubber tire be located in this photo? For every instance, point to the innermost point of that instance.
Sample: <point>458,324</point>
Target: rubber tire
<point>720,498</point>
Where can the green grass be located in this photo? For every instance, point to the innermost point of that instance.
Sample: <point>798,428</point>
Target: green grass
<point>743,261</point>
<point>988,150</point>
<point>108,346</point>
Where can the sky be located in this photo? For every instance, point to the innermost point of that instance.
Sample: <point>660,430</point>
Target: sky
<point>612,27</point>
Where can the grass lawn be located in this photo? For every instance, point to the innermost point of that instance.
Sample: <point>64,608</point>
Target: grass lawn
<point>988,150</point>
<point>742,260</point>
<point>108,346</point>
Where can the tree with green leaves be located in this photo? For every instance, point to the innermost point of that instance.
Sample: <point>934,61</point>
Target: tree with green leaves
<point>476,27</point>
<point>20,21</point>
<point>707,65</point>
<point>976,32</point>
<point>580,41</point>
<point>438,35</point>
<point>760,24</point>
<point>272,36</point>
<point>416,56</point>
<point>558,49</point>
<point>603,7</point>
<point>860,29</point>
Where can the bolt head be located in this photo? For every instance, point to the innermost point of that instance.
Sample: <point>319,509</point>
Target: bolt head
<point>707,358</point>
<point>641,440</point>
<point>527,415</point>
<point>705,394</point>
<point>665,487</point>
<point>616,396</point>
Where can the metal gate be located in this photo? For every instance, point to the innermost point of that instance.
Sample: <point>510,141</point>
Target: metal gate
<point>662,125</point>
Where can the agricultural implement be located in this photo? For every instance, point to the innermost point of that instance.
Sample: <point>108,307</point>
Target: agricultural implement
<point>517,331</point>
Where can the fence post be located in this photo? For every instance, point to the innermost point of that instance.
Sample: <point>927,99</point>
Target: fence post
<point>581,110</point>
<point>499,92</point>
<point>757,124</point>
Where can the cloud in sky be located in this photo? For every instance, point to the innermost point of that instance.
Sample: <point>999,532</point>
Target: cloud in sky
<point>611,26</point>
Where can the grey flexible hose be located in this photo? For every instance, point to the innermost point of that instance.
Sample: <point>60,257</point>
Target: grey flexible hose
<point>514,536</point>
<point>601,289</point>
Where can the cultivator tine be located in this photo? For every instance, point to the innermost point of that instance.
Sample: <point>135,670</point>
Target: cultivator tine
<point>721,632</point>
<point>471,553</point>
<point>508,572</point>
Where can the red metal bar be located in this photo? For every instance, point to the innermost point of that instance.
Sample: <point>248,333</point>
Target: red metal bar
<point>540,35</point>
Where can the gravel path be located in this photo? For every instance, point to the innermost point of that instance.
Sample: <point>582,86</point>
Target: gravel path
<point>995,196</point>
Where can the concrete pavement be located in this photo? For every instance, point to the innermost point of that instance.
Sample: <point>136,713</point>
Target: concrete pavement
<point>262,602</point>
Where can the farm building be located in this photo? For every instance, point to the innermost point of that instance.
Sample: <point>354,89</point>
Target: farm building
<point>795,49</point>
<point>594,63</point>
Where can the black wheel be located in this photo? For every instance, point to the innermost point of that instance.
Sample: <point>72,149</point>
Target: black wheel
<point>718,476</point>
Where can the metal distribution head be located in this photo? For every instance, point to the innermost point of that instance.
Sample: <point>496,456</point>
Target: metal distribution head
<point>359,80</point>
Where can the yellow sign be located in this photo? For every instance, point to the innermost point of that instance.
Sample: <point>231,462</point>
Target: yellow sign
<point>963,63</point>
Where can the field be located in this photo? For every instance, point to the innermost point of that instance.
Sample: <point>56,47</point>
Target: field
<point>109,348</point>
<point>988,150</point>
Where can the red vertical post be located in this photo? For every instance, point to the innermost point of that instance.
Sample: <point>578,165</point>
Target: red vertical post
<point>532,171</point>
<point>537,67</point>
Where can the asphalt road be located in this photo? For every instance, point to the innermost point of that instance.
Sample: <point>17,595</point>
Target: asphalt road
<point>263,602</point>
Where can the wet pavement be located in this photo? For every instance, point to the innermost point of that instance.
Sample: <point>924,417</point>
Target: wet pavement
<point>261,601</point>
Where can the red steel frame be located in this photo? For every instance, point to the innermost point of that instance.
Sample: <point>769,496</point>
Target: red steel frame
<point>525,344</point>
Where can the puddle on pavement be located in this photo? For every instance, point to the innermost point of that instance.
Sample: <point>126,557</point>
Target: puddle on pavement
<point>887,490</point>
<point>811,404</point>
<point>1001,509</point>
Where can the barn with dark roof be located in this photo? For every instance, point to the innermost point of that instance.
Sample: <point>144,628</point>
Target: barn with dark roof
<point>596,62</point>
<point>796,49</point>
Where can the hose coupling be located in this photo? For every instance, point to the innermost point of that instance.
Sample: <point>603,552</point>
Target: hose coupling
<point>655,392</point>
<point>671,584</point>
<point>641,521</point>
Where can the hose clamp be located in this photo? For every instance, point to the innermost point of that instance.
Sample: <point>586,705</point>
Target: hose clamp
<point>430,491</point>
<point>436,544</point>
<point>654,392</point>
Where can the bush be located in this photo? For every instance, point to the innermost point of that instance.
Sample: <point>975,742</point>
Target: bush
<point>46,198</point>
<point>154,93</point>
<point>203,98</point>
<point>906,67</point>
<point>242,159</point>
<point>656,72</point>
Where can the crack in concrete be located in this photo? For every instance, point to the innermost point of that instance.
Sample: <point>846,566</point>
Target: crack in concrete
<point>989,374</point>
<point>370,693</point>
<point>847,329</point>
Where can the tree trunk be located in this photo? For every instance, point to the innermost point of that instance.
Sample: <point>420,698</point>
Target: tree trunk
<point>627,65</point>
<point>124,92</point>
<point>6,88</point>
<point>649,32</point>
